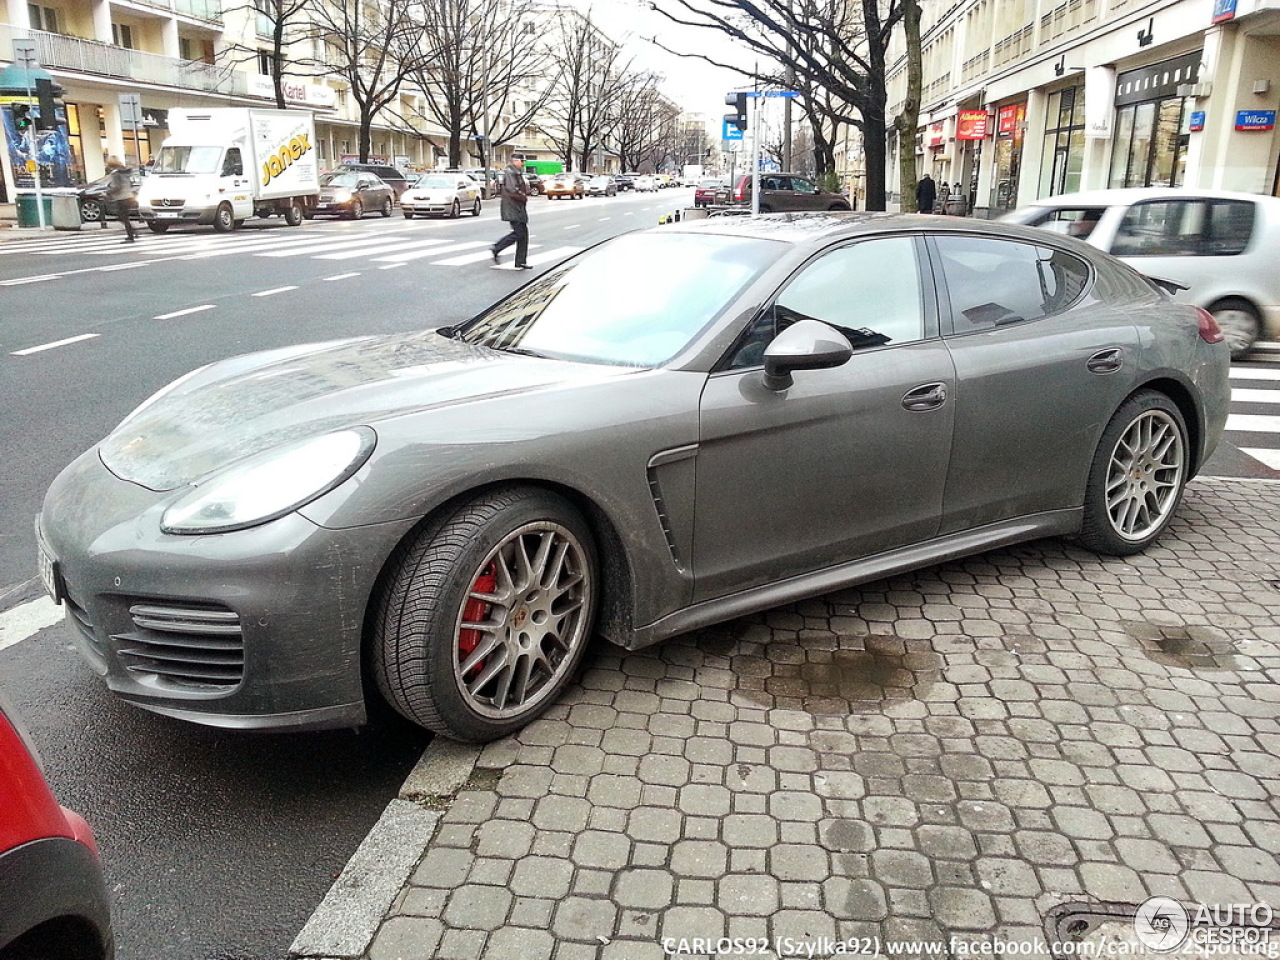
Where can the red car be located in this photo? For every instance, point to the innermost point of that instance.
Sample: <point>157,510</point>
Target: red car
<point>704,194</point>
<point>53,899</point>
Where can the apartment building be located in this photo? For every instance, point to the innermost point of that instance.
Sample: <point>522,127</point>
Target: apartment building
<point>1030,98</point>
<point>170,53</point>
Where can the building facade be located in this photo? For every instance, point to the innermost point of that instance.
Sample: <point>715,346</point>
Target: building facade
<point>1030,98</point>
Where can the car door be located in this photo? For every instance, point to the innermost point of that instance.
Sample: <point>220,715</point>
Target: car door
<point>1041,365</point>
<point>848,461</point>
<point>803,195</point>
<point>237,184</point>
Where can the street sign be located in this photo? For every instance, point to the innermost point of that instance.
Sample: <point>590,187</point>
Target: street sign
<point>1255,120</point>
<point>1197,121</point>
<point>24,52</point>
<point>782,93</point>
<point>130,108</point>
<point>730,132</point>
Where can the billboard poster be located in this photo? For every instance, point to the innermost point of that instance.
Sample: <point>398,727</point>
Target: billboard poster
<point>972,125</point>
<point>53,152</point>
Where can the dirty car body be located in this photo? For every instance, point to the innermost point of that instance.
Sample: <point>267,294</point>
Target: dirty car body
<point>768,410</point>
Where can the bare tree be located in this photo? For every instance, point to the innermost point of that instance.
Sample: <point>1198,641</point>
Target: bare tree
<point>371,46</point>
<point>479,70</point>
<point>834,45</point>
<point>908,121</point>
<point>285,22</point>
<point>638,128</point>
<point>580,113</point>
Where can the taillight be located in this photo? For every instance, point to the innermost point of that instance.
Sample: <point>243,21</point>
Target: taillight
<point>740,191</point>
<point>1209,330</point>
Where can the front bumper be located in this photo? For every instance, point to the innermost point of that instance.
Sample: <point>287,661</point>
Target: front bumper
<point>260,628</point>
<point>184,214</point>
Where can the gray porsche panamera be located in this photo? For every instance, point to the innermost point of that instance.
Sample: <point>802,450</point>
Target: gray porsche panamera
<point>676,427</point>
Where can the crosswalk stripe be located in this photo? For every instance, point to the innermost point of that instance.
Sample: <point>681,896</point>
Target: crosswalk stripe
<point>312,246</point>
<point>1254,373</point>
<point>1270,457</point>
<point>419,254</point>
<point>1252,423</point>
<point>557,253</point>
<point>386,248</point>
<point>463,260</point>
<point>1255,396</point>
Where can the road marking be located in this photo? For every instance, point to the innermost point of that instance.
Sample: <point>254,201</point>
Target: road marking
<point>556,253</point>
<point>18,283</point>
<point>1249,423</point>
<point>183,313</point>
<point>123,266</point>
<point>573,226</point>
<point>386,248</point>
<point>392,266</point>
<point>434,251</point>
<point>604,219</point>
<point>270,293</point>
<point>1270,457</point>
<point>27,619</point>
<point>56,343</point>
<point>1255,396</point>
<point>342,276</point>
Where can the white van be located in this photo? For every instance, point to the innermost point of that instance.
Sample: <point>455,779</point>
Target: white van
<point>223,165</point>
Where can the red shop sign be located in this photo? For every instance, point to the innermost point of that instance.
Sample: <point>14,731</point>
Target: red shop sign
<point>1009,117</point>
<point>972,125</point>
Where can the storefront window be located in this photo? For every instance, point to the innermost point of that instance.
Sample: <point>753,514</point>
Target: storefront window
<point>1063,143</point>
<point>1152,124</point>
<point>1008,160</point>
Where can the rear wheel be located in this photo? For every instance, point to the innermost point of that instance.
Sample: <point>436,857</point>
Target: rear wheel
<point>1139,471</point>
<point>486,614</point>
<point>293,214</point>
<point>1240,324</point>
<point>224,221</point>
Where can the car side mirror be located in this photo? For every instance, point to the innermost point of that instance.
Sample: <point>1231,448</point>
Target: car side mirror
<point>805,345</point>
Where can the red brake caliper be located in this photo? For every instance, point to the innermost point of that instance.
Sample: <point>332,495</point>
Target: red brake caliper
<point>475,611</point>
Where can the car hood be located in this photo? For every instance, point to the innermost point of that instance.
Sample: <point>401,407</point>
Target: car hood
<point>236,408</point>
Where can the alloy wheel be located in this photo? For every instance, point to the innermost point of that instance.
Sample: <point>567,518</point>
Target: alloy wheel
<point>1145,475</point>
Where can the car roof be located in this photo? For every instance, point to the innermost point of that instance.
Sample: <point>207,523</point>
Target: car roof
<point>800,228</point>
<point>1123,196</point>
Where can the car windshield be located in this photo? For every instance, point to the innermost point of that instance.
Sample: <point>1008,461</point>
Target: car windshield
<point>189,160</point>
<point>340,180</point>
<point>445,182</point>
<point>634,301</point>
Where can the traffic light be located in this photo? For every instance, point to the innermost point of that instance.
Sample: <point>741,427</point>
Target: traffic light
<point>48,118</point>
<point>739,117</point>
<point>21,117</point>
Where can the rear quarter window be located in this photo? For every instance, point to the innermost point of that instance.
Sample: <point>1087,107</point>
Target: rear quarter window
<point>993,282</point>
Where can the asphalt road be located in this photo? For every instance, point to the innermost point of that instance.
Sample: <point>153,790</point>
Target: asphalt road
<point>218,845</point>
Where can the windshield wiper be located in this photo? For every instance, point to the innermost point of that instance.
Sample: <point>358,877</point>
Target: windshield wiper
<point>523,352</point>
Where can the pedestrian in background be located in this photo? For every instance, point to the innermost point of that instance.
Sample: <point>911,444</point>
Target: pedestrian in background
<point>926,193</point>
<point>515,198</point>
<point>121,191</point>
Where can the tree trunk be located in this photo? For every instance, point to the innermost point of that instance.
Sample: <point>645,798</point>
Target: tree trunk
<point>366,137</point>
<point>874,142</point>
<point>907,122</point>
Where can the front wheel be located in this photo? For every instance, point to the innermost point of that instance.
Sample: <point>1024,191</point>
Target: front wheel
<point>408,214</point>
<point>293,214</point>
<point>475,208</point>
<point>157,227</point>
<point>91,211</point>
<point>224,221</point>
<point>485,615</point>
<point>357,210</point>
<point>1138,474</point>
<point>386,208</point>
<point>1240,325</point>
<point>455,211</point>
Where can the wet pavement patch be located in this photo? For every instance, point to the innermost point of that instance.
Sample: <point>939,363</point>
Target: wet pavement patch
<point>1187,647</point>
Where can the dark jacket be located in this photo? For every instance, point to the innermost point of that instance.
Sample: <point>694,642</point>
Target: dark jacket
<point>515,194</point>
<point>926,193</point>
<point>120,187</point>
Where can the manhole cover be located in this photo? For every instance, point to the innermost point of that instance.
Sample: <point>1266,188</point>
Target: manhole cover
<point>1161,927</point>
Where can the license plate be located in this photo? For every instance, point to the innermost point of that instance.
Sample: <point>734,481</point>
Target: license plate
<point>49,575</point>
<point>166,214</point>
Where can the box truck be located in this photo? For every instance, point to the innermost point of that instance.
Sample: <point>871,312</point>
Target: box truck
<point>225,164</point>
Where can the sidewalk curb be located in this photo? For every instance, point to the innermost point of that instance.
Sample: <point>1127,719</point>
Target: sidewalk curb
<point>344,924</point>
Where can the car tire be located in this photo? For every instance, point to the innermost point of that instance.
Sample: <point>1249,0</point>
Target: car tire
<point>1137,476</point>
<point>386,208</point>
<point>157,227</point>
<point>357,210</point>
<point>533,554</point>
<point>91,211</point>
<point>408,214</point>
<point>455,211</point>
<point>839,207</point>
<point>293,214</point>
<point>475,207</point>
<point>1240,323</point>
<point>224,221</point>
<point>765,208</point>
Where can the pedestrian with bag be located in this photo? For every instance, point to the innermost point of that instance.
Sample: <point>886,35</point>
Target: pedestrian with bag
<point>121,192</point>
<point>515,197</point>
<point>926,194</point>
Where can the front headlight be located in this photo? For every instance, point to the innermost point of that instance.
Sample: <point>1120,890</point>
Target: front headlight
<point>270,484</point>
<point>341,196</point>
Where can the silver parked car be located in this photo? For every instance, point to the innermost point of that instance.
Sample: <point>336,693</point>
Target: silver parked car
<point>443,195</point>
<point>676,427</point>
<point>1223,246</point>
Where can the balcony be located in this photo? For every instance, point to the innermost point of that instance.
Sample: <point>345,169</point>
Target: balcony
<point>58,52</point>
<point>210,10</point>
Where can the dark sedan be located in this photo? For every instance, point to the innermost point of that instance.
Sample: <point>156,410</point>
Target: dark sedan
<point>94,206</point>
<point>352,194</point>
<point>679,426</point>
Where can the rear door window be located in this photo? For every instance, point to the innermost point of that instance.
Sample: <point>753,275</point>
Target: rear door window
<point>995,282</point>
<point>1072,221</point>
<point>1185,228</point>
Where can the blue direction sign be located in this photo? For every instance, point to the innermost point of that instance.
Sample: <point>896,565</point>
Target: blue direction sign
<point>1255,120</point>
<point>730,132</point>
<point>782,93</point>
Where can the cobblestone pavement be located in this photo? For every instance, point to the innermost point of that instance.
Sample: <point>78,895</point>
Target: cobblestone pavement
<point>948,753</point>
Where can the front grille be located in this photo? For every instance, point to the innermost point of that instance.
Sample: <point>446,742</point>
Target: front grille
<point>168,203</point>
<point>189,646</point>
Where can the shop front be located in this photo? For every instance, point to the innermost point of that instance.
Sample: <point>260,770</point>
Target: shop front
<point>1064,143</point>
<point>1153,123</point>
<point>1007,165</point>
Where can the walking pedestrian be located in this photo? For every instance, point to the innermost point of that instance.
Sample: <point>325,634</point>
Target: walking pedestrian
<point>926,193</point>
<point>515,196</point>
<point>121,191</point>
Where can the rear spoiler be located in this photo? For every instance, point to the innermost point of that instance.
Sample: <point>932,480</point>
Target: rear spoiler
<point>1170,287</point>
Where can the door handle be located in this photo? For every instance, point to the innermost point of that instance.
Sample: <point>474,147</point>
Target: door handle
<point>930,396</point>
<point>1106,361</point>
